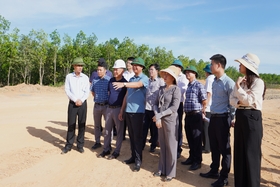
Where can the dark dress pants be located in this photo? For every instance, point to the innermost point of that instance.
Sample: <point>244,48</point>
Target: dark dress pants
<point>149,124</point>
<point>73,112</point>
<point>135,131</point>
<point>180,112</point>
<point>248,133</point>
<point>193,128</point>
<point>219,137</point>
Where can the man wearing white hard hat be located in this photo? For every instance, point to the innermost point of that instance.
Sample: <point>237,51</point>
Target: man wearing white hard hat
<point>115,101</point>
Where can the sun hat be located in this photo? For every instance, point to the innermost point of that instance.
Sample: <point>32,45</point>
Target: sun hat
<point>172,70</point>
<point>178,63</point>
<point>250,61</point>
<point>139,61</point>
<point>119,64</point>
<point>191,68</point>
<point>78,61</point>
<point>207,68</point>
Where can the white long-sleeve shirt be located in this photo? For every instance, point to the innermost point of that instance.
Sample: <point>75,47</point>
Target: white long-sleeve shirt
<point>252,97</point>
<point>77,87</point>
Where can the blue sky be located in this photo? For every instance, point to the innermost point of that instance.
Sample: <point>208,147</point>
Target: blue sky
<point>197,29</point>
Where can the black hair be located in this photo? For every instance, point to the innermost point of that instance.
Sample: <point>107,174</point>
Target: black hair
<point>156,66</point>
<point>130,58</point>
<point>250,78</point>
<point>220,59</point>
<point>102,64</point>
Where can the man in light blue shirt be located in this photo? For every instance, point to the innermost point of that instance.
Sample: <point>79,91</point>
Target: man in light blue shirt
<point>221,118</point>
<point>134,108</point>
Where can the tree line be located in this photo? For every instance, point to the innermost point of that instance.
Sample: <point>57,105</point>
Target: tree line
<point>45,59</point>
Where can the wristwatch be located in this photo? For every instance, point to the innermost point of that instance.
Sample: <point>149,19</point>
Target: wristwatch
<point>124,84</point>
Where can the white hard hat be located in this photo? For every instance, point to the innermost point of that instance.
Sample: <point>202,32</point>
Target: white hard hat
<point>119,64</point>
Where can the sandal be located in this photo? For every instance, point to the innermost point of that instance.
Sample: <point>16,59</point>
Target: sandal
<point>168,179</point>
<point>157,174</point>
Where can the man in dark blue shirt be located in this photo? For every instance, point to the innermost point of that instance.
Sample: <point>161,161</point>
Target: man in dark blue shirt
<point>115,102</point>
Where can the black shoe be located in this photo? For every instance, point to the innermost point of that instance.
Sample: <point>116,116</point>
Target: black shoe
<point>113,156</point>
<point>129,161</point>
<point>210,174</point>
<point>220,183</point>
<point>137,166</point>
<point>96,145</point>
<point>65,150</point>
<point>187,162</point>
<point>103,154</point>
<point>81,150</point>
<point>195,166</point>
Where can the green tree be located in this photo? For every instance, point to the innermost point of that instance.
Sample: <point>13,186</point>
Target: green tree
<point>55,44</point>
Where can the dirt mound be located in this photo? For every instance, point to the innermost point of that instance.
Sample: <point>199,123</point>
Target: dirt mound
<point>30,88</point>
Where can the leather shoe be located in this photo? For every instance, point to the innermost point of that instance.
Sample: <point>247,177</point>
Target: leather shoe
<point>137,166</point>
<point>113,156</point>
<point>168,179</point>
<point>210,174</point>
<point>220,183</point>
<point>65,150</point>
<point>195,166</point>
<point>129,161</point>
<point>96,145</point>
<point>103,154</point>
<point>81,150</point>
<point>187,162</point>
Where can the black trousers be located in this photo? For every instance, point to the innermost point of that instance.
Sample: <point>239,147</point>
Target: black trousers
<point>193,128</point>
<point>149,124</point>
<point>248,133</point>
<point>180,112</point>
<point>219,137</point>
<point>73,112</point>
<point>134,123</point>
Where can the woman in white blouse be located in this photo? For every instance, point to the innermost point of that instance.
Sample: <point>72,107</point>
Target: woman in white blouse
<point>247,97</point>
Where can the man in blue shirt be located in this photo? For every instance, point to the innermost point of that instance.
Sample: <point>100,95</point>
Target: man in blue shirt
<point>222,115</point>
<point>194,107</point>
<point>99,89</point>
<point>77,90</point>
<point>114,106</point>
<point>134,108</point>
<point>94,74</point>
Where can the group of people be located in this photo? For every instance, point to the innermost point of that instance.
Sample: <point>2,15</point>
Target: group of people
<point>158,102</point>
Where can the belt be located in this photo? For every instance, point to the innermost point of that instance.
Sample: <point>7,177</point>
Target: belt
<point>192,112</point>
<point>101,104</point>
<point>245,107</point>
<point>219,115</point>
<point>111,106</point>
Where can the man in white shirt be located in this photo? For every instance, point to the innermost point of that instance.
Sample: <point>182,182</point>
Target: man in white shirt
<point>77,90</point>
<point>208,87</point>
<point>129,72</point>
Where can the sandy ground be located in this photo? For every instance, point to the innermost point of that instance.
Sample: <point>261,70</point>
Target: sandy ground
<point>33,130</point>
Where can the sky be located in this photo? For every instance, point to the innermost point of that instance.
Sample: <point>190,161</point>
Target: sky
<point>196,29</point>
